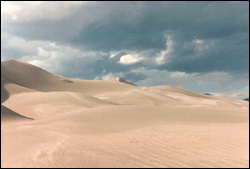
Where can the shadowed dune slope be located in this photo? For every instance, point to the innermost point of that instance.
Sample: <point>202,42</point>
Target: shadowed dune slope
<point>29,76</point>
<point>9,115</point>
<point>4,93</point>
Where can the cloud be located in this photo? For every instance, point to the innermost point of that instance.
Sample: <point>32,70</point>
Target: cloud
<point>181,34</point>
<point>53,57</point>
<point>28,11</point>
<point>22,45</point>
<point>230,53</point>
<point>108,76</point>
<point>130,59</point>
<point>165,55</point>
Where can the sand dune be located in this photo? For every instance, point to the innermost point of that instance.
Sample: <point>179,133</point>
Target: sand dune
<point>49,104</point>
<point>49,120</point>
<point>10,115</point>
<point>29,76</point>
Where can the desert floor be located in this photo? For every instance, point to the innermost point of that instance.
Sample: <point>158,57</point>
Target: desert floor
<point>52,121</point>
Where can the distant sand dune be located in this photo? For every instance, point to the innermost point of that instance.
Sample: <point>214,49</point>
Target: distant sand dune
<point>49,120</point>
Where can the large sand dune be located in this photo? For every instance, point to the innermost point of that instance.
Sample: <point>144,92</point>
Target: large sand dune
<point>52,121</point>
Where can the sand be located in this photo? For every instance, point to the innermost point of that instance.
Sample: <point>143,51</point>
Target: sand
<point>52,121</point>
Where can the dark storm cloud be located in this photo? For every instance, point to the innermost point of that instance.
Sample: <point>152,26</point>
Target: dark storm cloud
<point>137,26</point>
<point>124,20</point>
<point>229,54</point>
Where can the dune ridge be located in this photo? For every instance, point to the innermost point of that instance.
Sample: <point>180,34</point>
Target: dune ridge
<point>49,120</point>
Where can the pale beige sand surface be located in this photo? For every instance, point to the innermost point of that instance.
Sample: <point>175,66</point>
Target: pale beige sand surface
<point>52,121</point>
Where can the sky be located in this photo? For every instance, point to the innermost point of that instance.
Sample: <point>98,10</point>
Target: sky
<point>198,46</point>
